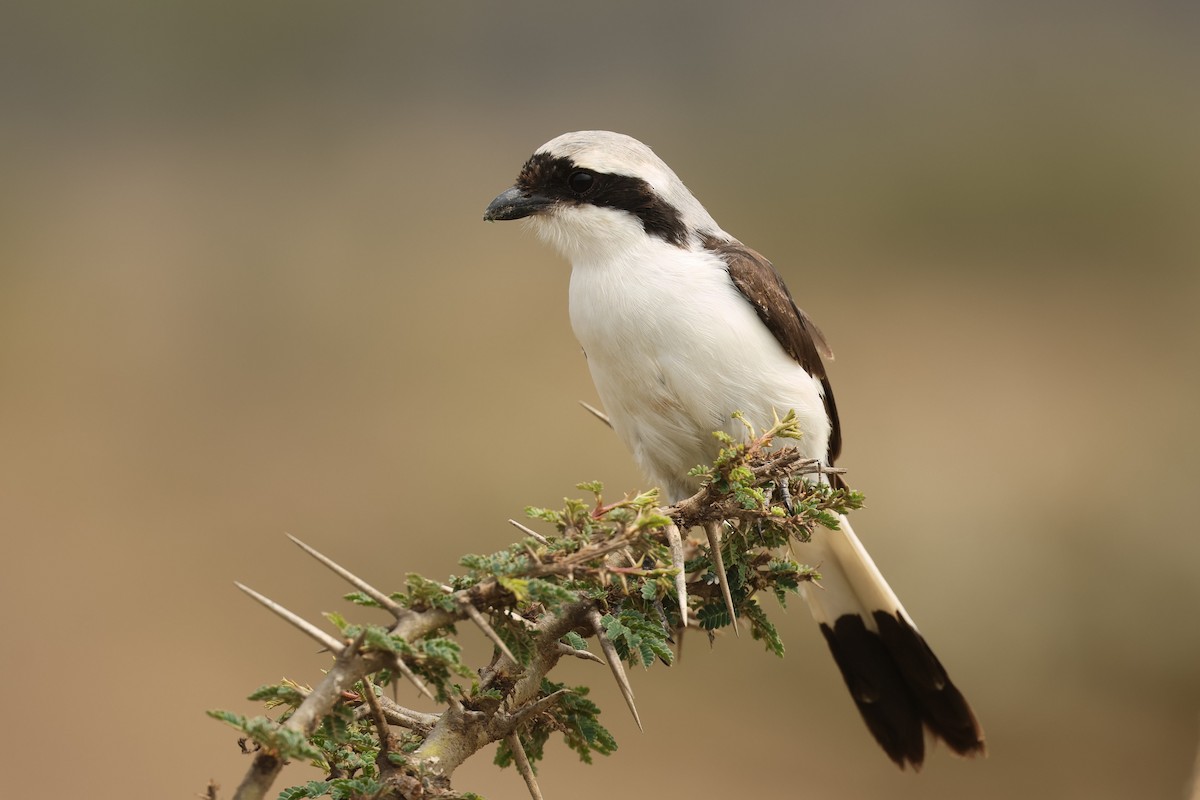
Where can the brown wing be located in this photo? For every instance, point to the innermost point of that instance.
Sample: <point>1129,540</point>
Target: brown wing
<point>763,287</point>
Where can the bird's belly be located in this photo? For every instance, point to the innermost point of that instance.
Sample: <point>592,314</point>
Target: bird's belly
<point>671,367</point>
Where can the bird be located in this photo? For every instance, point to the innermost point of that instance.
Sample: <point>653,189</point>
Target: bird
<point>682,325</point>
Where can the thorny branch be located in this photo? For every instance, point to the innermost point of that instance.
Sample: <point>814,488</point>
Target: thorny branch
<point>510,694</point>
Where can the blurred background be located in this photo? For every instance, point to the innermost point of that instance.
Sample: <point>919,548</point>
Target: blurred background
<point>245,289</point>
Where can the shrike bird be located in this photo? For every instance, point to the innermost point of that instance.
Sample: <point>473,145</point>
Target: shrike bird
<point>683,325</point>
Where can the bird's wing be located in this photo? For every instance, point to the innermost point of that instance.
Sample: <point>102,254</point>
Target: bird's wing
<point>763,287</point>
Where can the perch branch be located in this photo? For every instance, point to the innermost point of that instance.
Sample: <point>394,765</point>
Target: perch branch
<point>508,693</point>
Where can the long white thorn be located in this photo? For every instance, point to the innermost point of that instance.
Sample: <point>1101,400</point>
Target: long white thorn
<point>391,605</point>
<point>407,672</point>
<point>523,765</point>
<point>675,540</point>
<point>567,650</point>
<point>597,413</point>
<point>525,529</point>
<point>475,616</point>
<point>488,630</point>
<point>301,624</point>
<point>614,663</point>
<point>713,529</point>
<point>515,617</point>
<point>538,706</point>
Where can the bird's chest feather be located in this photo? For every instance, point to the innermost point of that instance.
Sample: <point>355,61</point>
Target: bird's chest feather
<point>646,323</point>
<point>674,350</point>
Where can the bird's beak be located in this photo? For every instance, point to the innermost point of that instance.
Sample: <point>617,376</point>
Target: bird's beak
<point>514,204</point>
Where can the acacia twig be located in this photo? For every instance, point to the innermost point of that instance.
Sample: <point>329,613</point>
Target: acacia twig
<point>508,693</point>
<point>377,716</point>
<point>397,714</point>
<point>538,706</point>
<point>348,668</point>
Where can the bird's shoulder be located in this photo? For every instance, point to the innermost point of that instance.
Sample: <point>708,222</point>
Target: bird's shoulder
<point>757,279</point>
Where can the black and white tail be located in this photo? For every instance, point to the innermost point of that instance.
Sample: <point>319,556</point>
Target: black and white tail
<point>898,684</point>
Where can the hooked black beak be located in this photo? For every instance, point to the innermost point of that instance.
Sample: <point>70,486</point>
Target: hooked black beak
<point>513,204</point>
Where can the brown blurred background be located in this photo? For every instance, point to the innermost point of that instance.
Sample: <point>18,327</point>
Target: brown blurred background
<point>245,290</point>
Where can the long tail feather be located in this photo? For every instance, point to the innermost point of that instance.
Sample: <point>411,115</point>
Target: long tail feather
<point>898,684</point>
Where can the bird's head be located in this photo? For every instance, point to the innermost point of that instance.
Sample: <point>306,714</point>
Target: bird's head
<point>591,191</point>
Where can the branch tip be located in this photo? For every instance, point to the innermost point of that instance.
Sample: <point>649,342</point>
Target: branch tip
<point>536,707</point>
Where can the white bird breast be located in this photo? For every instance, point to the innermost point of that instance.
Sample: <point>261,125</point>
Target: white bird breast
<point>673,347</point>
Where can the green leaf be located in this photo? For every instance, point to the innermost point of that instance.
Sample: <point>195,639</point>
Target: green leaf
<point>579,719</point>
<point>278,694</point>
<point>517,587</point>
<point>361,599</point>
<point>519,640</point>
<point>310,789</point>
<point>351,788</point>
<point>377,637</point>
<point>424,592</point>
<point>338,620</point>
<point>595,487</point>
<point>648,520</point>
<point>285,742</point>
<point>614,628</point>
<point>512,561</point>
<point>638,639</point>
<point>548,594</point>
<point>544,514</point>
<point>713,616</point>
<point>236,720</point>
<point>762,629</point>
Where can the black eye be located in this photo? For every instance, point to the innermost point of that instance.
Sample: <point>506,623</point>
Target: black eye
<point>580,181</point>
